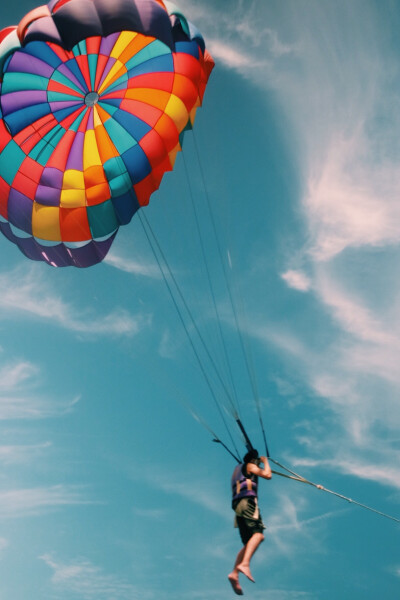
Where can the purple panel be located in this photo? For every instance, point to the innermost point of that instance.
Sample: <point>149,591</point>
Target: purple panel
<point>107,43</point>
<point>18,100</point>
<point>52,177</point>
<point>26,63</point>
<point>56,256</point>
<point>60,105</point>
<point>43,29</point>
<point>48,196</point>
<point>90,124</point>
<point>92,253</point>
<point>20,211</point>
<point>75,159</point>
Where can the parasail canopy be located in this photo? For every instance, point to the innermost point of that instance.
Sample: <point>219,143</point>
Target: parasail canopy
<point>95,96</point>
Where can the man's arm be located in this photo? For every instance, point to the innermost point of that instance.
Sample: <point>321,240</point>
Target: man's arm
<point>265,472</point>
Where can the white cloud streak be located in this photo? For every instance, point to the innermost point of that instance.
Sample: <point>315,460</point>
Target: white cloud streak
<point>36,501</point>
<point>133,267</point>
<point>27,292</point>
<point>18,399</point>
<point>84,580</point>
<point>297,280</point>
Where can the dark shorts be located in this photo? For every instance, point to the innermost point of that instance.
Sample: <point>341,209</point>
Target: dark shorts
<point>248,519</point>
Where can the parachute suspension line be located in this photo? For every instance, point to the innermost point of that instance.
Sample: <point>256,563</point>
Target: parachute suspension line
<point>189,312</point>
<point>245,349</point>
<point>211,287</point>
<point>206,426</point>
<point>155,247</point>
<point>296,477</point>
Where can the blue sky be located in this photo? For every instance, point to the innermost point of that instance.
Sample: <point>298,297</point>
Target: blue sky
<point>110,490</point>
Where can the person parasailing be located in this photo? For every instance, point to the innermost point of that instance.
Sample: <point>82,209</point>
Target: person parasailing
<point>247,515</point>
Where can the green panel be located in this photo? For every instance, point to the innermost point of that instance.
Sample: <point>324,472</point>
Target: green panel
<point>92,61</point>
<point>109,108</point>
<point>11,159</point>
<point>62,97</point>
<point>153,50</point>
<point>102,219</point>
<point>121,139</point>
<point>114,167</point>
<point>18,82</point>
<point>79,48</point>
<point>120,185</point>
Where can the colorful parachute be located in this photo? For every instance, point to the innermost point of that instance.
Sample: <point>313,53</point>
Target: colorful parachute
<point>95,96</point>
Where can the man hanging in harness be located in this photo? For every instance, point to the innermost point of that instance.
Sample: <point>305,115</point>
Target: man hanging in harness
<point>247,515</point>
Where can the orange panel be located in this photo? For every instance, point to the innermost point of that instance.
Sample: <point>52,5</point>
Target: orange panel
<point>137,44</point>
<point>168,132</point>
<point>185,90</point>
<point>98,194</point>
<point>94,176</point>
<point>74,225</point>
<point>105,146</point>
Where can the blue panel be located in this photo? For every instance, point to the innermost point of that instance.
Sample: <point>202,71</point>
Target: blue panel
<point>187,48</point>
<point>125,207</point>
<point>44,52</point>
<point>132,124</point>
<point>73,66</point>
<point>161,64</point>
<point>136,163</point>
<point>17,121</point>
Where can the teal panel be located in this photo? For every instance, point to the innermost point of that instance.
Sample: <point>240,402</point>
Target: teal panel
<point>102,219</point>
<point>92,61</point>
<point>153,50</point>
<point>121,139</point>
<point>19,82</point>
<point>11,159</point>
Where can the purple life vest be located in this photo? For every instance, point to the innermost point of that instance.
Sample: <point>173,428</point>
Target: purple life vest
<point>242,486</point>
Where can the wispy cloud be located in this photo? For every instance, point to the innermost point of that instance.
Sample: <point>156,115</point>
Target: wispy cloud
<point>39,500</point>
<point>28,292</point>
<point>14,454</point>
<point>133,267</point>
<point>297,280</point>
<point>86,581</point>
<point>19,398</point>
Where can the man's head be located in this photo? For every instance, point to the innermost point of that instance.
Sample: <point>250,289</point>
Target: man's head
<point>251,456</point>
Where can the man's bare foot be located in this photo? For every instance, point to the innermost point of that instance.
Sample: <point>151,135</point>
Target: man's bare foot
<point>234,581</point>
<point>245,569</point>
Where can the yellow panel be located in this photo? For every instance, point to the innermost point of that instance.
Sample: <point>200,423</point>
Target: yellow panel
<point>72,198</point>
<point>46,222</point>
<point>116,71</point>
<point>178,112</point>
<point>122,42</point>
<point>91,156</point>
<point>73,180</point>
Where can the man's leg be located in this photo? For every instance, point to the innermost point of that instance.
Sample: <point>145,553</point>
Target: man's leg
<point>249,550</point>
<point>234,576</point>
